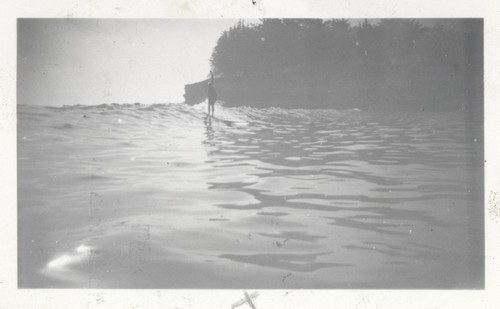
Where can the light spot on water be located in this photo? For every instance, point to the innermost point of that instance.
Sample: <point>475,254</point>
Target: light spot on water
<point>82,249</point>
<point>60,262</point>
<point>292,158</point>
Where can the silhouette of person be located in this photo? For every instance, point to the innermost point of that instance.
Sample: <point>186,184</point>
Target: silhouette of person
<point>211,94</point>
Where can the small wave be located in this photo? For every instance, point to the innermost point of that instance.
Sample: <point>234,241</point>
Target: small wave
<point>173,112</point>
<point>94,177</point>
<point>65,126</point>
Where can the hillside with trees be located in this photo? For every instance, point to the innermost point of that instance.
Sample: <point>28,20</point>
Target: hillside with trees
<point>314,63</point>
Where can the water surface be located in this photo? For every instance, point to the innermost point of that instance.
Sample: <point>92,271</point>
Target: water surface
<point>160,196</point>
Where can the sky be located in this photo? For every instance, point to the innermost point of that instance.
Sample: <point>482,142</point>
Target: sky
<point>96,61</point>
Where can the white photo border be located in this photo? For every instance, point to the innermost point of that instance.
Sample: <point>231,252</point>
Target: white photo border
<point>12,297</point>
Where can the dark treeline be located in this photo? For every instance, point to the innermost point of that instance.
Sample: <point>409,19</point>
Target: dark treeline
<point>391,62</point>
<point>284,45</point>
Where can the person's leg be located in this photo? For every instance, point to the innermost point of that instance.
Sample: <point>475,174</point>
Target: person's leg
<point>208,105</point>
<point>213,108</point>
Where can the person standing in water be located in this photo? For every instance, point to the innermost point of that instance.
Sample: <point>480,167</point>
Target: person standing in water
<point>211,94</point>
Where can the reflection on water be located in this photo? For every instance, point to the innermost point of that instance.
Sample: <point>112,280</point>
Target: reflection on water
<point>162,196</point>
<point>81,253</point>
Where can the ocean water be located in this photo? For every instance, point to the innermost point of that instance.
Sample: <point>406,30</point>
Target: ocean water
<point>160,196</point>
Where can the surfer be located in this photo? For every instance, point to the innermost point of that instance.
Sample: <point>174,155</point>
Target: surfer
<point>211,94</point>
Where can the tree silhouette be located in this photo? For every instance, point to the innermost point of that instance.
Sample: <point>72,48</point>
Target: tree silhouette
<point>383,56</point>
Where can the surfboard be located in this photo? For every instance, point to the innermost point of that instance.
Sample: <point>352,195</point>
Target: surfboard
<point>222,120</point>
